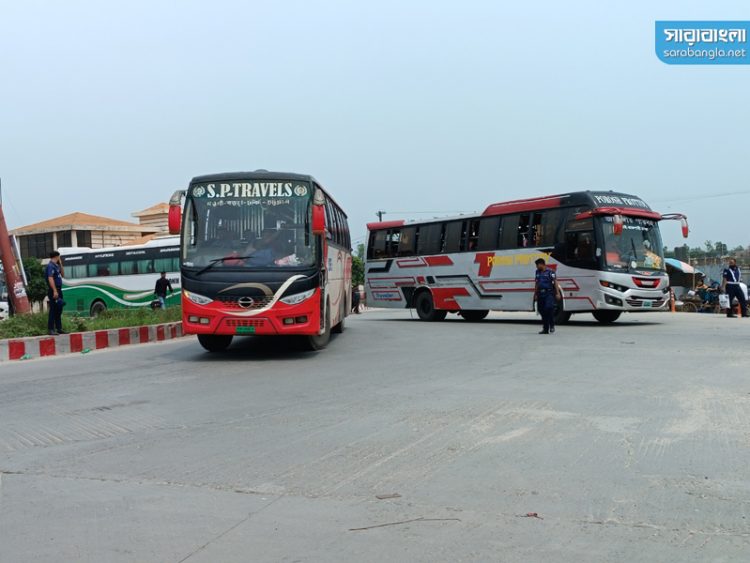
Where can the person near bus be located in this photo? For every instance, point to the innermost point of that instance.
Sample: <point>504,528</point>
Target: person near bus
<point>546,293</point>
<point>162,285</point>
<point>53,273</point>
<point>355,299</point>
<point>731,278</point>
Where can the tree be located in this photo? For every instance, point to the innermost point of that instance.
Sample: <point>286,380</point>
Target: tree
<point>720,248</point>
<point>358,271</point>
<point>37,285</point>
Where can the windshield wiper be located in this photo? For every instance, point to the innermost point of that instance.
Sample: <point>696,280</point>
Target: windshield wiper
<point>215,261</point>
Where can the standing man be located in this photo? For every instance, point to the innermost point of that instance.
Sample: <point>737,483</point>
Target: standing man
<point>162,285</point>
<point>731,278</point>
<point>546,291</point>
<point>53,273</point>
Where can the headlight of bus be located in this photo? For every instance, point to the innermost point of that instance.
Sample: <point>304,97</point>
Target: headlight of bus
<point>195,298</point>
<point>297,297</point>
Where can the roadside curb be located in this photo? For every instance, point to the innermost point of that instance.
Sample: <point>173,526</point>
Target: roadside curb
<point>79,342</point>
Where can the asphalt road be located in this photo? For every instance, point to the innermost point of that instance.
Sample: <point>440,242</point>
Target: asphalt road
<point>630,442</point>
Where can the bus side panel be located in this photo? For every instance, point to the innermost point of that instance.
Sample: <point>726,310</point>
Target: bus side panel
<point>117,292</point>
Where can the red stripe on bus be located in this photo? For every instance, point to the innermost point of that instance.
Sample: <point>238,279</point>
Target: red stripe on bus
<point>385,225</point>
<point>519,205</point>
<point>445,297</point>
<point>438,261</point>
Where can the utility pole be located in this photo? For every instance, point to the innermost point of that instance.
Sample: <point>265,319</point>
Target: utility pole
<point>380,215</point>
<point>16,290</point>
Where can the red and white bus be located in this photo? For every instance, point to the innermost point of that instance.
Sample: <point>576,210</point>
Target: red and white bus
<point>605,247</point>
<point>261,253</point>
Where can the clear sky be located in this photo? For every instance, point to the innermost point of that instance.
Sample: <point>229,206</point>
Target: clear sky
<point>405,106</point>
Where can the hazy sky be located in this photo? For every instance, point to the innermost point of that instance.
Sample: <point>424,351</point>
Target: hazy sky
<point>404,106</point>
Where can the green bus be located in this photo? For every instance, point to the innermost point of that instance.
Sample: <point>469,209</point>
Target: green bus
<point>122,277</point>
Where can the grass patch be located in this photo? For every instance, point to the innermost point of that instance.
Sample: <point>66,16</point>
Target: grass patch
<point>36,325</point>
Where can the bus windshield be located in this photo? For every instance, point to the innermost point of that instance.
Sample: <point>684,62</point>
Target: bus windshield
<point>639,245</point>
<point>248,225</point>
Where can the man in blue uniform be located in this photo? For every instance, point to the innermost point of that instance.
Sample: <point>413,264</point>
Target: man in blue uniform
<point>731,284</point>
<point>546,291</point>
<point>53,273</point>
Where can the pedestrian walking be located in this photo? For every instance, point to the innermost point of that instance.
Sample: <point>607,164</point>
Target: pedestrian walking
<point>355,300</point>
<point>731,278</point>
<point>162,285</point>
<point>546,293</point>
<point>53,273</point>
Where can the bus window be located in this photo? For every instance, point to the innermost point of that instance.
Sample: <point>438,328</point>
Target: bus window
<point>376,247</point>
<point>489,233</point>
<point>103,269</point>
<point>580,246</point>
<point>430,239</point>
<point>472,234</point>
<point>74,272</point>
<point>128,267</point>
<point>522,233</point>
<point>407,243</point>
<point>536,230</point>
<point>392,240</point>
<point>550,231</point>
<point>165,265</point>
<point>453,235</point>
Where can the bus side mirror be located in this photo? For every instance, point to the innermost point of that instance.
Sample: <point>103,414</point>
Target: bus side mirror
<point>617,224</point>
<point>318,219</point>
<point>685,227</point>
<point>318,213</point>
<point>174,220</point>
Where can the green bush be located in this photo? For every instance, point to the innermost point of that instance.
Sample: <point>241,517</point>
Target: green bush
<point>36,324</point>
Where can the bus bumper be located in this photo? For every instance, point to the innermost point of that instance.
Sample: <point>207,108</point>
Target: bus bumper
<point>281,319</point>
<point>632,300</point>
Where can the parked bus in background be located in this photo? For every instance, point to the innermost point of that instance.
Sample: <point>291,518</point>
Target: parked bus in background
<point>604,246</point>
<point>121,277</point>
<point>262,253</point>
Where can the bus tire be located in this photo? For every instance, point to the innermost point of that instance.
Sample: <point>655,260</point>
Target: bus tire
<point>606,317</point>
<point>320,341</point>
<point>425,307</point>
<point>339,328</point>
<point>561,315</point>
<point>215,342</point>
<point>97,308</point>
<point>474,316</point>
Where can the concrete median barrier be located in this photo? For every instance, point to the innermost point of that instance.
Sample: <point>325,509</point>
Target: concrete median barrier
<point>40,346</point>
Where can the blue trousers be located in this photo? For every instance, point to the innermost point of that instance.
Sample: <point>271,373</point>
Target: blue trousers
<point>54,318</point>
<point>546,305</point>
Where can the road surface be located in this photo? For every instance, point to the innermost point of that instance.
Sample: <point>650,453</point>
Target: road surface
<point>629,442</point>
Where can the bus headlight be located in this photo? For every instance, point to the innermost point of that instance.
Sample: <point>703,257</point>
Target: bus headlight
<point>297,297</point>
<point>195,298</point>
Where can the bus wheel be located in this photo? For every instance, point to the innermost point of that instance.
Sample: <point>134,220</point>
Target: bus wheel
<point>474,316</point>
<point>215,342</point>
<point>561,315</point>
<point>320,341</point>
<point>606,317</point>
<point>97,308</point>
<point>339,328</point>
<point>426,308</point>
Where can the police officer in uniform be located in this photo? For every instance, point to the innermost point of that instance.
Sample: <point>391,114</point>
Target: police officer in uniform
<point>731,284</point>
<point>53,273</point>
<point>546,291</point>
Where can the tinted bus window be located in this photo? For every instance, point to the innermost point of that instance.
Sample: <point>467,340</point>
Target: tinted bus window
<point>376,248</point>
<point>472,234</point>
<point>430,239</point>
<point>407,243</point>
<point>489,233</point>
<point>509,237</point>
<point>392,240</point>
<point>453,235</point>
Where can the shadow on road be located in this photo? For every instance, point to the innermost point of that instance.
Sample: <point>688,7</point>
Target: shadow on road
<point>260,348</point>
<point>572,323</point>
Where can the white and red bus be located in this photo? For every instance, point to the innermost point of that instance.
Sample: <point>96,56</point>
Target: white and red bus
<point>261,253</point>
<point>605,247</point>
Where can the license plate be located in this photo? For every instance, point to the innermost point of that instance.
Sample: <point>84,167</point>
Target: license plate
<point>647,304</point>
<point>245,330</point>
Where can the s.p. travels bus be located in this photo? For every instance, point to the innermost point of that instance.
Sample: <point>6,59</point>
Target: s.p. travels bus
<point>262,253</point>
<point>605,247</point>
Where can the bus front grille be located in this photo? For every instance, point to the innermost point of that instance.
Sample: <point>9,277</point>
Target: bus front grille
<point>234,323</point>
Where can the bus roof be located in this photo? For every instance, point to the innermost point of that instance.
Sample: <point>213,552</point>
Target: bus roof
<point>172,240</point>
<point>254,175</point>
<point>592,199</point>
